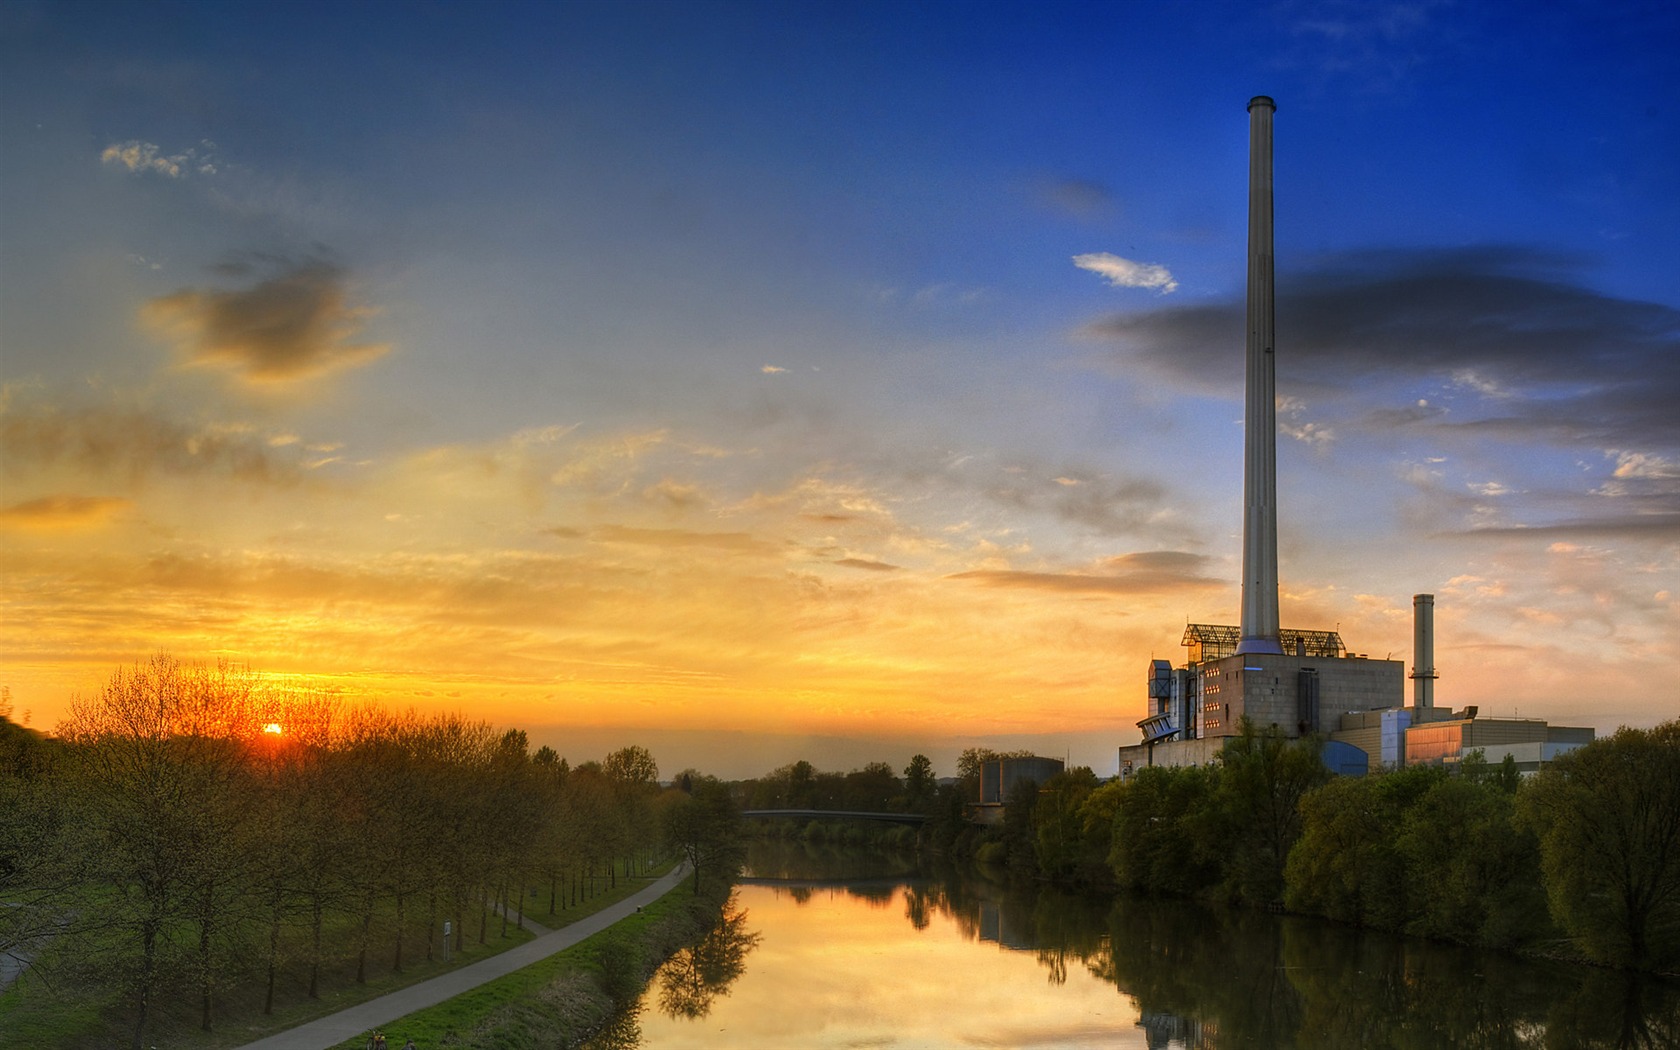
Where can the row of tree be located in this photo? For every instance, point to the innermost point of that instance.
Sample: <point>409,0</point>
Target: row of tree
<point>1584,856</point>
<point>189,832</point>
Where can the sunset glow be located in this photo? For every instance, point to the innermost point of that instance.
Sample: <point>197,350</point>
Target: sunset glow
<point>839,384</point>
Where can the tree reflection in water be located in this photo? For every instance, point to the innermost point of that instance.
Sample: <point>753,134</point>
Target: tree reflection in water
<point>1226,979</point>
<point>691,979</point>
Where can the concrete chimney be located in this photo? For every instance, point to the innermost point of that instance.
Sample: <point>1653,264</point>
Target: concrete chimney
<point>1260,572</point>
<point>1423,650</point>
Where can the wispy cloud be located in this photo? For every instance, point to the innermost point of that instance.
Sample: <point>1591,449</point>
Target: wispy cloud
<point>298,324</point>
<point>147,157</point>
<point>1141,572</point>
<point>1124,273</point>
<point>133,444</point>
<point>1083,199</point>
<point>61,513</point>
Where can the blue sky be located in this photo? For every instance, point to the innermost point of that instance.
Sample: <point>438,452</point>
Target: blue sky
<point>809,372</point>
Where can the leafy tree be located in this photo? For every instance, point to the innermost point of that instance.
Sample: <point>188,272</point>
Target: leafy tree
<point>1478,866</point>
<point>1156,844</point>
<point>1347,864</point>
<point>704,825</point>
<point>1064,845</point>
<point>870,789</point>
<point>1608,817</point>
<point>1256,813</point>
<point>920,784</point>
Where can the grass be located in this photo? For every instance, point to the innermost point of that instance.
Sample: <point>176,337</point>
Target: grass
<point>68,1011</point>
<point>556,1001</point>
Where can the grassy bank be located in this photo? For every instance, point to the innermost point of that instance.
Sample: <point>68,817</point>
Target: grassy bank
<point>59,1007</point>
<point>564,999</point>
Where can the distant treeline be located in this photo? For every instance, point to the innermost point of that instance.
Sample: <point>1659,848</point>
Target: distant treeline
<point>191,836</point>
<point>1581,860</point>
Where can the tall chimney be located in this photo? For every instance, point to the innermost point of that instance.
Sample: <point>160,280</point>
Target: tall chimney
<point>1423,650</point>
<point>1260,572</point>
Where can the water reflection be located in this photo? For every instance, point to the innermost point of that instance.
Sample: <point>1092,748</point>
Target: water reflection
<point>948,958</point>
<point>691,979</point>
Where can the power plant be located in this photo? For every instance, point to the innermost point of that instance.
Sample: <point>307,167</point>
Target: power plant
<point>1305,682</point>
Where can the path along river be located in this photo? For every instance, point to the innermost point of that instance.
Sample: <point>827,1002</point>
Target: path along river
<point>826,952</point>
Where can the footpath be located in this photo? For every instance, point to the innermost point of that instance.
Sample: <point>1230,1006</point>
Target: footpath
<point>333,1029</point>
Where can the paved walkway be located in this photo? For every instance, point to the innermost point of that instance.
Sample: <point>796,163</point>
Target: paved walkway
<point>333,1029</point>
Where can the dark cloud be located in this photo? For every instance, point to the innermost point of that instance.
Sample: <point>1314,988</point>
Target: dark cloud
<point>296,324</point>
<point>138,444</point>
<point>1554,359</point>
<point>1138,573</point>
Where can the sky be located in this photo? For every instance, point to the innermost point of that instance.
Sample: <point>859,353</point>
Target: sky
<point>765,381</point>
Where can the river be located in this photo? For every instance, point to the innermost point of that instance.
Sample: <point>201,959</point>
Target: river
<point>824,948</point>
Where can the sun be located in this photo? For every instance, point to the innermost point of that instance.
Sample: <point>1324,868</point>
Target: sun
<point>274,728</point>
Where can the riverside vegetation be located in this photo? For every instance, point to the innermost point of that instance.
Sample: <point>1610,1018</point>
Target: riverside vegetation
<point>201,857</point>
<point>1581,861</point>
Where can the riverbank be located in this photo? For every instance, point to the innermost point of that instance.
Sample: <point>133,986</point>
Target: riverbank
<point>564,998</point>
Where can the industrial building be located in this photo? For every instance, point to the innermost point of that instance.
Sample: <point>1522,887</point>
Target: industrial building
<point>999,776</point>
<point>1305,682</point>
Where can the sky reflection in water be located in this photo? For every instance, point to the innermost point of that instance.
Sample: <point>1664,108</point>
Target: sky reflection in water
<point>843,969</point>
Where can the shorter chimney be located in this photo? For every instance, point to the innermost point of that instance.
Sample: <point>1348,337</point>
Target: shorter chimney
<point>1423,651</point>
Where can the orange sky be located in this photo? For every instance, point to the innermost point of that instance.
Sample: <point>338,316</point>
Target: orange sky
<point>830,386</point>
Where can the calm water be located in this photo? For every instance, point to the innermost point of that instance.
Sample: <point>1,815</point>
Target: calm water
<point>827,950</point>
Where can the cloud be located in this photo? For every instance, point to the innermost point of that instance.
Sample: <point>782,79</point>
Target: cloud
<point>772,370</point>
<point>868,563</point>
<point>140,157</point>
<point>61,513</point>
<point>294,325</point>
<point>116,441</point>
<point>1109,506</point>
<point>1557,360</point>
<point>1141,572</point>
<point>1124,273</point>
<point>1079,198</point>
<point>679,538</point>
<point>1375,45</point>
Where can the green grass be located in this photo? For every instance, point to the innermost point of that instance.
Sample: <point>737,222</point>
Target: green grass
<point>545,1004</point>
<point>70,1012</point>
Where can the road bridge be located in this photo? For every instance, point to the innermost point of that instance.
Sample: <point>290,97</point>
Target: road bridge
<point>914,820</point>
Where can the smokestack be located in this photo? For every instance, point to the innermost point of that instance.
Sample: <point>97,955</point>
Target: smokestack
<point>1423,650</point>
<point>1260,573</point>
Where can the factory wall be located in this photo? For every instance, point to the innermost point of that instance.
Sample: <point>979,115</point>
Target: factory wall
<point>1298,694</point>
<point>1000,775</point>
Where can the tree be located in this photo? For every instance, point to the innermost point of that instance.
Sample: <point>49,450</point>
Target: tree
<point>160,763</point>
<point>705,826</point>
<point>1480,866</point>
<point>920,785</point>
<point>1066,850</point>
<point>1347,864</point>
<point>1257,807</point>
<point>1608,817</point>
<point>1156,846</point>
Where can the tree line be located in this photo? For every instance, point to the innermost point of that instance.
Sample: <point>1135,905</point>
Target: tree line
<point>190,835</point>
<point>1582,859</point>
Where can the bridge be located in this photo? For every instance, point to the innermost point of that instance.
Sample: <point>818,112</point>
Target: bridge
<point>914,820</point>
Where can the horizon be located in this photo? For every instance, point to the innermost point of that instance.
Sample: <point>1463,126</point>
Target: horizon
<point>757,378</point>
